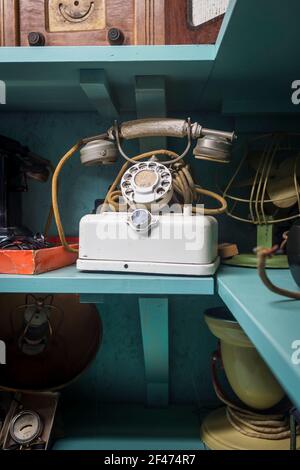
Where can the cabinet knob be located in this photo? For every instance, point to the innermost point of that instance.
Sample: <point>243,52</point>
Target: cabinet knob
<point>115,37</point>
<point>36,39</point>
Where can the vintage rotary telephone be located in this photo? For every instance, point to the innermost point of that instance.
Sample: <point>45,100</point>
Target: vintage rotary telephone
<point>17,165</point>
<point>127,233</point>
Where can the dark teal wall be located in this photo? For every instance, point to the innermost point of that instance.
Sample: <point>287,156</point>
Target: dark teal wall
<point>118,375</point>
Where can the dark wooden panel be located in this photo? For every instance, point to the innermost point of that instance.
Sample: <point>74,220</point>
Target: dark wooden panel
<point>180,31</point>
<point>9,24</point>
<point>141,22</point>
<point>119,14</point>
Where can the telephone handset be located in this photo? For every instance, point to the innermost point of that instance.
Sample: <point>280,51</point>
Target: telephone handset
<point>167,127</point>
<point>159,180</point>
<point>212,144</point>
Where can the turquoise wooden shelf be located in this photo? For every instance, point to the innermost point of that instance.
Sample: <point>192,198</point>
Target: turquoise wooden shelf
<point>255,60</point>
<point>50,78</point>
<point>153,292</point>
<point>70,281</point>
<point>271,322</point>
<point>248,71</point>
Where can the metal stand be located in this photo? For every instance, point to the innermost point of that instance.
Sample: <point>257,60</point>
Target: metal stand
<point>155,333</point>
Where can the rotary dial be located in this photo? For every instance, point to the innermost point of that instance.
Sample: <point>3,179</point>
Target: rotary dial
<point>147,183</point>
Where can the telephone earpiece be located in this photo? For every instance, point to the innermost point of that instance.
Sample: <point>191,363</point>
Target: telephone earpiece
<point>99,152</point>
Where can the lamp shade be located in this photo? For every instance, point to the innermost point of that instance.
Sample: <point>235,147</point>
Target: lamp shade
<point>249,376</point>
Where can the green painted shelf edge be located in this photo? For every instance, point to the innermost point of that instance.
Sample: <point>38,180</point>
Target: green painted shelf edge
<point>271,322</point>
<point>102,54</point>
<point>69,281</point>
<point>249,71</point>
<point>50,78</point>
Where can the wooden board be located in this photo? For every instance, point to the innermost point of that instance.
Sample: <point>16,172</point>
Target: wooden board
<point>179,28</point>
<point>37,15</point>
<point>150,22</point>
<point>9,23</point>
<point>86,22</point>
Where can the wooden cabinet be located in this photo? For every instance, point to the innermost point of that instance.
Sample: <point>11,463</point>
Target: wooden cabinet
<point>102,22</point>
<point>76,23</point>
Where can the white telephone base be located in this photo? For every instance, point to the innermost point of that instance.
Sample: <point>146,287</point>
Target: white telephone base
<point>181,244</point>
<point>149,268</point>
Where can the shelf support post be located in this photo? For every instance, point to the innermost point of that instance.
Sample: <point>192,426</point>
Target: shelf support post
<point>95,85</point>
<point>154,320</point>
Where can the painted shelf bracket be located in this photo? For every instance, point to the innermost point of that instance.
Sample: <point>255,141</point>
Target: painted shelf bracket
<point>154,319</point>
<point>95,85</point>
<point>150,96</point>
